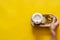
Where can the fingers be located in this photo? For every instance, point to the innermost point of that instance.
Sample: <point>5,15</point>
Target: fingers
<point>56,23</point>
<point>46,25</point>
<point>53,18</point>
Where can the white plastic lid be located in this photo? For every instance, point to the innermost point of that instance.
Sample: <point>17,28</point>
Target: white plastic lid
<point>37,18</point>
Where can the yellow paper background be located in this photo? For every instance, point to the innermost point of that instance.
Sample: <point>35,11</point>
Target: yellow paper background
<point>15,19</point>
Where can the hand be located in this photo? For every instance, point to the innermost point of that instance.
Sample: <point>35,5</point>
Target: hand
<point>52,26</point>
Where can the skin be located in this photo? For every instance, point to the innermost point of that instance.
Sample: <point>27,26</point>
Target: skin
<point>51,25</point>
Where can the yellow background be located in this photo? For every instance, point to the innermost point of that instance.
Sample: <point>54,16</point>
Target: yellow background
<point>15,19</point>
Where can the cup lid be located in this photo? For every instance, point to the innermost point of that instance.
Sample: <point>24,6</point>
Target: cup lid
<point>37,18</point>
